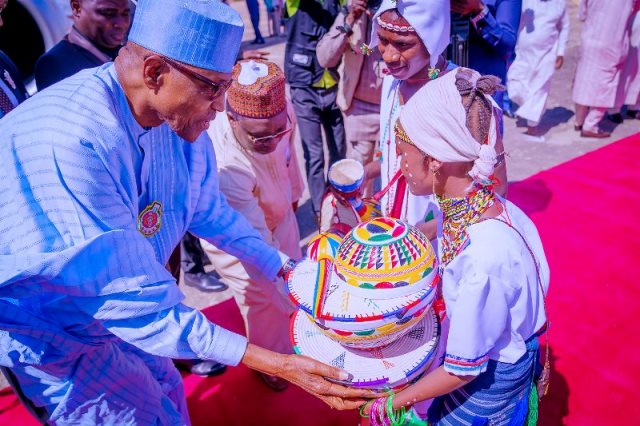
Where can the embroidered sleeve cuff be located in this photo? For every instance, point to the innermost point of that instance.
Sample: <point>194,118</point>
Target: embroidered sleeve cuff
<point>464,366</point>
<point>227,347</point>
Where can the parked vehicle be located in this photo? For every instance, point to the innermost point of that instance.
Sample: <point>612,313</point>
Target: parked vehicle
<point>31,27</point>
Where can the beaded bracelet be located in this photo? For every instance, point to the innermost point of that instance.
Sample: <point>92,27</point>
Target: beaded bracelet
<point>396,417</point>
<point>377,415</point>
<point>382,412</point>
<point>363,407</point>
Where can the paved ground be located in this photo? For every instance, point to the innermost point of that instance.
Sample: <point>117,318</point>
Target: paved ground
<point>525,158</point>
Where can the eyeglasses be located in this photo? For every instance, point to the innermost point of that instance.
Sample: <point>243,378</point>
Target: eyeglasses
<point>266,139</point>
<point>214,89</point>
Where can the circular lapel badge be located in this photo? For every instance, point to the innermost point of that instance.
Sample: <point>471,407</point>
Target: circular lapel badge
<point>150,219</point>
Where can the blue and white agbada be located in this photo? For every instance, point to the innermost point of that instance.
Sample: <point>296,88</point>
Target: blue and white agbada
<point>89,316</point>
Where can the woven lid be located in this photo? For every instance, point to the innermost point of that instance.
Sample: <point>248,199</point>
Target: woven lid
<point>375,314</point>
<point>391,367</point>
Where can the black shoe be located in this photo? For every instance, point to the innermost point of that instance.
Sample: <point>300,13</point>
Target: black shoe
<point>207,368</point>
<point>633,114</point>
<point>258,41</point>
<point>204,281</point>
<point>616,118</point>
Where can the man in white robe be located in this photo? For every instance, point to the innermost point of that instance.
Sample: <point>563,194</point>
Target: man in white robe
<point>262,181</point>
<point>631,72</point>
<point>542,39</point>
<point>604,49</point>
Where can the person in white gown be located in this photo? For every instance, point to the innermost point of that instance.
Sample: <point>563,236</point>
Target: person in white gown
<point>260,178</point>
<point>542,40</point>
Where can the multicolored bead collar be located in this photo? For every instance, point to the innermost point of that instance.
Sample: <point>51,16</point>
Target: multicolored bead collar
<point>459,214</point>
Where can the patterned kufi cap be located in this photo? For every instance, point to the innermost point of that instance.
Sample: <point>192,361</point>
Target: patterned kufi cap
<point>202,33</point>
<point>258,89</point>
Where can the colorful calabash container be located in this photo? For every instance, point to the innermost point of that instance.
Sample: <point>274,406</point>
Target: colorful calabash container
<point>368,302</point>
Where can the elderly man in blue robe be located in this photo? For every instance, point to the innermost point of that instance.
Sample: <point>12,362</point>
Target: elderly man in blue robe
<point>102,175</point>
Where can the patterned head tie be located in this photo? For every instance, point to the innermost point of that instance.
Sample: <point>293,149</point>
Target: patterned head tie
<point>443,134</point>
<point>395,28</point>
<point>258,89</point>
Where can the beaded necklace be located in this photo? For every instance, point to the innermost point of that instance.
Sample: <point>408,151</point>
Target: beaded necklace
<point>459,214</point>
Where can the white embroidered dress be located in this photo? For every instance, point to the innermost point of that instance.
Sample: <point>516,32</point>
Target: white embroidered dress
<point>491,290</point>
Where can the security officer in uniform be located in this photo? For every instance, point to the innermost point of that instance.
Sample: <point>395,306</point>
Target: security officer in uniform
<point>313,89</point>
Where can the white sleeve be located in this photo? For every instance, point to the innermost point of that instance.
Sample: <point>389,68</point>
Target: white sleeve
<point>477,320</point>
<point>564,33</point>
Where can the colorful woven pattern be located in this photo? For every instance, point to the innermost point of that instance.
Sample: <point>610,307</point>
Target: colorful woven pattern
<point>385,254</point>
<point>323,246</point>
<point>371,338</point>
<point>393,366</point>
<point>264,98</point>
<point>375,314</point>
<point>345,310</point>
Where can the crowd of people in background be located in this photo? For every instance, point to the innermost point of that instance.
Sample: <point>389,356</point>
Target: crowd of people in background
<point>336,90</point>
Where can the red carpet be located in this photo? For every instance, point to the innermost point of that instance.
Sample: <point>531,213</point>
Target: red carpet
<point>587,211</point>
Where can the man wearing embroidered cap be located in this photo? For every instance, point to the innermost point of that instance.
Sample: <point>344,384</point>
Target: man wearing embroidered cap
<point>260,178</point>
<point>104,173</point>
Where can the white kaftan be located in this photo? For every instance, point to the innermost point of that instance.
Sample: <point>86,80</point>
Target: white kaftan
<point>262,187</point>
<point>604,48</point>
<point>543,35</point>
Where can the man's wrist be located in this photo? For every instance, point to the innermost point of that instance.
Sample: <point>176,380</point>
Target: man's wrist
<point>287,267</point>
<point>346,28</point>
<point>263,360</point>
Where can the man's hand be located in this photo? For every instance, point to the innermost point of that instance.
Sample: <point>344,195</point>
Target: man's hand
<point>559,62</point>
<point>466,7</point>
<point>356,9</point>
<point>255,54</point>
<point>312,375</point>
<point>308,374</point>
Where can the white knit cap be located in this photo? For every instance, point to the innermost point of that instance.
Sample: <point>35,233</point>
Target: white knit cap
<point>436,122</point>
<point>430,18</point>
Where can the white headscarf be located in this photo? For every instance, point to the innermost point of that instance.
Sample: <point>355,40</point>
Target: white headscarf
<point>430,18</point>
<point>436,121</point>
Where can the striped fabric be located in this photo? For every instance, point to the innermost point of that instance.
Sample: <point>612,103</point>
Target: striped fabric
<point>464,366</point>
<point>497,397</point>
<point>599,69</point>
<point>88,312</point>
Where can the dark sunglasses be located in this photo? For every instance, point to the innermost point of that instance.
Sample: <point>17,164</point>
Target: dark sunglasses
<point>214,89</point>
